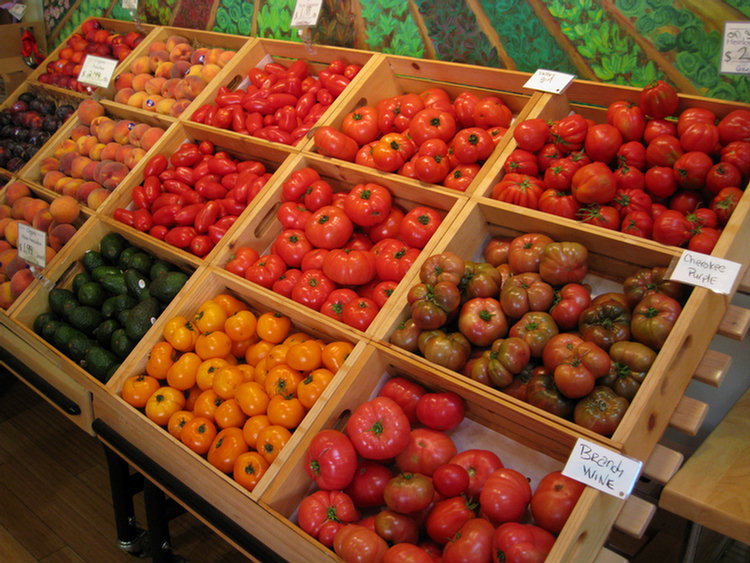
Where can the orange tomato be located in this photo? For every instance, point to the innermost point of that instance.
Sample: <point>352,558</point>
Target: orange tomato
<point>252,428</point>
<point>226,381</point>
<point>207,403</point>
<point>204,378</point>
<point>252,398</point>
<point>305,356</point>
<point>191,396</point>
<point>286,412</point>
<point>229,414</point>
<point>160,360</point>
<point>231,359</point>
<point>164,403</point>
<point>258,351</point>
<point>248,372</point>
<point>210,317</point>
<point>271,440</point>
<point>335,354</point>
<point>180,333</point>
<point>261,371</point>
<point>248,468</point>
<point>240,326</point>
<point>282,380</point>
<point>214,344</point>
<point>136,389</point>
<point>239,348</point>
<point>229,303</point>
<point>277,355</point>
<point>227,446</point>
<point>296,337</point>
<point>177,422</point>
<point>198,434</point>
<point>183,372</point>
<point>273,327</point>
<point>312,386</point>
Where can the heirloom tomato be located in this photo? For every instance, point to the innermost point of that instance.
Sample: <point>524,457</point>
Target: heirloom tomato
<point>576,364</point>
<point>525,252</point>
<point>658,100</point>
<point>691,168</point>
<point>735,126</point>
<point>601,410</point>
<point>653,319</point>
<point>521,543</point>
<point>479,464</point>
<point>594,183</point>
<point>440,411</point>
<point>722,175</point>
<point>660,181</point>
<point>312,289</point>
<point>737,153</point>
<point>406,393</point>
<point>521,162</point>
<point>535,328</point>
<point>378,429</point>
<point>554,499</point>
<point>602,142</point>
<point>523,293</point>
<point>408,492</point>
<point>568,303</point>
<point>450,350</point>
<point>562,204</point>
<point>519,189</point>
<point>448,516</point>
<point>349,267</point>
<point>569,133</point>
<point>725,202</point>
<point>630,364</point>
<point>672,227</point>
<point>331,460</point>
<point>663,150</point>
<point>544,394</point>
<point>396,528</point>
<point>471,544</point>
<point>450,480</point>
<point>563,262</point>
<point>605,323</point>
<point>482,320</point>
<point>504,496</point>
<point>628,118</point>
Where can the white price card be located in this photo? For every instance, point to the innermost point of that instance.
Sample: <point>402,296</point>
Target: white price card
<point>549,81</point>
<point>696,268</point>
<point>17,11</point>
<point>130,5</point>
<point>602,468</point>
<point>735,51</point>
<point>32,245</point>
<point>97,71</point>
<point>306,13</point>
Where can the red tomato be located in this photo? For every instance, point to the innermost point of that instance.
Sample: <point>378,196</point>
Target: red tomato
<point>362,125</point>
<point>331,460</point>
<point>450,480</point>
<point>329,227</point>
<point>594,183</point>
<point>722,175</point>
<point>312,289</point>
<point>368,204</point>
<point>663,150</point>
<point>349,267</point>
<point>569,133</point>
<point>431,123</point>
<point>378,429</point>
<point>725,202</point>
<point>479,464</point>
<point>447,517</point>
<point>672,227</point>
<point>359,313</point>
<point>472,145</point>
<point>358,544</point>
<point>418,226</point>
<point>369,481</point>
<point>427,450</point>
<point>440,411</point>
<point>321,506</point>
<point>520,543</point>
<point>406,393</point>
<point>531,134</point>
<point>738,153</point>
<point>658,100</point>
<point>704,240</point>
<point>471,544</point>
<point>409,492</point>
<point>558,203</point>
<point>628,118</point>
<point>691,169</point>
<point>406,553</point>
<point>554,499</point>
<point>602,142</point>
<point>735,126</point>
<point>505,495</point>
<point>660,181</point>
<point>292,245</point>
<point>332,142</point>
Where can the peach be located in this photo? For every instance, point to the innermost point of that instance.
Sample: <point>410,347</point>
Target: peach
<point>181,52</point>
<point>124,80</point>
<point>136,100</point>
<point>174,40</point>
<point>156,58</point>
<point>164,106</point>
<point>4,245</point>
<point>122,131</point>
<point>194,85</point>
<point>66,146</point>
<point>16,190</point>
<point>210,71</point>
<point>50,179</point>
<point>212,56</point>
<point>121,97</point>
<point>149,104</point>
<point>106,131</point>
<point>110,173</point>
<point>32,207</point>
<point>195,70</point>
<point>5,211</point>
<point>88,171</point>
<point>152,135</point>
<point>123,152</point>
<point>140,64</point>
<point>64,209</point>
<point>96,151</point>
<point>15,265</point>
<point>42,220</point>
<point>157,46</point>
<point>6,257</point>
<point>179,106</point>
<point>11,232</point>
<point>134,138</point>
<point>97,123</point>
<point>50,253</point>
<point>60,184</point>
<point>6,299</point>
<point>168,88</point>
<point>139,81</point>
<point>20,281</point>
<point>164,70</point>
<point>48,163</point>
<point>16,210</point>
<point>66,161</point>
<point>199,55</point>
<point>85,143</point>
<point>110,150</point>
<point>134,157</point>
<point>85,189</point>
<point>58,235</point>
<point>78,166</point>
<point>179,69</point>
<point>88,109</point>
<point>97,197</point>
<point>180,89</point>
<point>69,186</point>
<point>224,58</point>
<point>153,85</point>
<point>79,131</point>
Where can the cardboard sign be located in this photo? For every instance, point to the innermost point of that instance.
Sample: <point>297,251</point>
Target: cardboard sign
<point>97,71</point>
<point>306,13</point>
<point>702,270</point>
<point>32,245</point>
<point>735,51</point>
<point>603,469</point>
<point>549,81</point>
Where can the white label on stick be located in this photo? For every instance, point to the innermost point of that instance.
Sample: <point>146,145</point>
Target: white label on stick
<point>32,245</point>
<point>130,5</point>
<point>97,71</point>
<point>735,51</point>
<point>716,274</point>
<point>306,13</point>
<point>17,11</point>
<point>549,81</point>
<point>603,469</point>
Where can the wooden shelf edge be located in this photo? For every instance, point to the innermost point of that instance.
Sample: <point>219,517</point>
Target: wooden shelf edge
<point>689,415</point>
<point>607,556</point>
<point>735,323</point>
<point>662,464</point>
<point>635,517</point>
<point>713,368</point>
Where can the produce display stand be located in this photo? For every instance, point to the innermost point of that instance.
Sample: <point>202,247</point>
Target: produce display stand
<point>258,522</point>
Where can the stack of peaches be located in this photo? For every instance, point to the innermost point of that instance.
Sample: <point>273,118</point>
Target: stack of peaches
<point>97,156</point>
<point>18,204</point>
<point>170,76</point>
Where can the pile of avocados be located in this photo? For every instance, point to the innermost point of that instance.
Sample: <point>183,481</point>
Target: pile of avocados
<point>110,306</point>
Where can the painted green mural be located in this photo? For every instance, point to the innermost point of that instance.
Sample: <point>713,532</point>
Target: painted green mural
<point>620,41</point>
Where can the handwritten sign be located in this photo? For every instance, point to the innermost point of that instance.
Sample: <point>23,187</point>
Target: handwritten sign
<point>549,81</point>
<point>306,13</point>
<point>603,469</point>
<point>735,52</point>
<point>97,71</point>
<point>716,274</point>
<point>32,245</point>
<point>130,5</point>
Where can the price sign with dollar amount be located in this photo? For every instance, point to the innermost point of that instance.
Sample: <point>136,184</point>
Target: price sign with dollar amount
<point>735,53</point>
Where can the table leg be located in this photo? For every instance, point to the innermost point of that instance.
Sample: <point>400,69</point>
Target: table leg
<point>130,537</point>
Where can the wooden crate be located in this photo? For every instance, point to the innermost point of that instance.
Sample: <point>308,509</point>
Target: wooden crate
<point>32,172</point>
<point>60,273</point>
<point>263,51</point>
<point>392,75</point>
<point>260,228</point>
<point>272,155</point>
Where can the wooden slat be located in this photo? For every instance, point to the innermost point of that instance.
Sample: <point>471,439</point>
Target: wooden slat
<point>689,415</point>
<point>735,323</point>
<point>713,368</point>
<point>635,516</point>
<point>607,556</point>
<point>662,464</point>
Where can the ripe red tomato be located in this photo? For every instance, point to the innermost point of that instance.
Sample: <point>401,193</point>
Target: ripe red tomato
<point>450,480</point>
<point>479,464</point>
<point>378,429</point>
<point>329,227</point>
<point>628,118</point>
<point>471,544</point>
<point>368,483</point>
<point>722,175</point>
<point>319,507</point>
<point>663,150</point>
<point>332,142</point>
<point>406,393</point>
<point>409,492</point>
<point>359,313</point>
<point>531,134</point>
<point>658,100</point>
<point>660,181</point>
<point>672,227</point>
<point>368,204</point>
<point>427,450</point>
<point>448,516</point>
<point>440,411</point>
<point>691,169</point>
<point>331,460</point>
<point>418,225</point>
<point>554,499</point>
<point>735,126</point>
<point>349,267</point>
<point>602,142</point>
<point>358,544</point>
<point>594,183</point>
<point>520,543</point>
<point>725,202</point>
<point>505,495</point>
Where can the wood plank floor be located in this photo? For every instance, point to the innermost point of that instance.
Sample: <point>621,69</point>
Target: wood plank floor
<point>55,503</point>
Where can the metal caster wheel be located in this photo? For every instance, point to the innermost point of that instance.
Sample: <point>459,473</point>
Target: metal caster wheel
<point>137,547</point>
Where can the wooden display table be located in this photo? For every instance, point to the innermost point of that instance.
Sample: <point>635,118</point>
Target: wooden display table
<point>711,488</point>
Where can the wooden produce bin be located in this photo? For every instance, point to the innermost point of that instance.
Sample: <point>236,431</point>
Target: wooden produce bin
<point>392,75</point>
<point>271,155</point>
<point>530,446</point>
<point>260,228</point>
<point>126,120</point>
<point>263,51</point>
<point>137,431</point>
<point>52,363</point>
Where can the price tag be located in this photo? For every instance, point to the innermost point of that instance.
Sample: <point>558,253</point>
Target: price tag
<point>97,71</point>
<point>549,81</point>
<point>32,245</point>
<point>130,5</point>
<point>306,13</point>
<point>603,469</point>
<point>716,274</point>
<point>17,11</point>
<point>735,52</point>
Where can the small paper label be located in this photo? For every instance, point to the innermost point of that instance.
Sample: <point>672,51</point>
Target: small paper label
<point>716,274</point>
<point>306,13</point>
<point>735,51</point>
<point>32,245</point>
<point>97,71</point>
<point>17,11</point>
<point>549,81</point>
<point>603,469</point>
<point>130,5</point>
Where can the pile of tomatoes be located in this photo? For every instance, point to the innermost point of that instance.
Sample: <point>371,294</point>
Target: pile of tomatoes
<point>280,103</point>
<point>232,386</point>
<point>191,199</point>
<point>338,253</point>
<point>642,172</point>
<point>524,322</point>
<point>426,136</point>
<point>405,492</point>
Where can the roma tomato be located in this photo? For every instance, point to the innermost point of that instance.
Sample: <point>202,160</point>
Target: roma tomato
<point>331,460</point>
<point>378,429</point>
<point>332,142</point>
<point>554,499</point>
